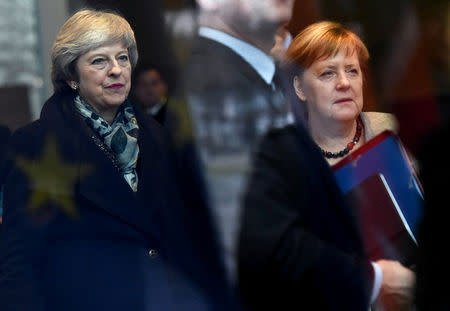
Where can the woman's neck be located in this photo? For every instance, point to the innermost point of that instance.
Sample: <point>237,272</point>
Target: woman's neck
<point>108,114</point>
<point>334,136</point>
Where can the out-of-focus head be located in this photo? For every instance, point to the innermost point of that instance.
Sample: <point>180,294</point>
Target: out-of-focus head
<point>149,86</point>
<point>283,39</point>
<point>326,63</point>
<point>85,31</point>
<point>256,13</point>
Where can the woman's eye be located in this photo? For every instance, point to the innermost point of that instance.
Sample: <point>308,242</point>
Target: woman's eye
<point>123,58</point>
<point>353,71</point>
<point>98,61</point>
<point>326,74</point>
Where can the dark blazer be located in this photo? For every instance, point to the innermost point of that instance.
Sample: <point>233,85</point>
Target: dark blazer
<point>300,248</point>
<point>225,90</point>
<point>119,250</point>
<point>231,106</point>
<point>212,62</point>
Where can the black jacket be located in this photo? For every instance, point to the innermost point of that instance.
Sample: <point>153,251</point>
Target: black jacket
<point>300,247</point>
<point>94,244</point>
<point>232,107</point>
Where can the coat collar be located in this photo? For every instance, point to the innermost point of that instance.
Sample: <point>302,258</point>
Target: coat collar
<point>262,63</point>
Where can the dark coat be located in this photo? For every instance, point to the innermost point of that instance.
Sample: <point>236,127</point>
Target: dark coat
<point>300,247</point>
<point>227,93</point>
<point>105,247</point>
<point>232,107</point>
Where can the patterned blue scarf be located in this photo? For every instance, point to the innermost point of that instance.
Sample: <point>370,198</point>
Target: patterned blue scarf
<point>120,137</point>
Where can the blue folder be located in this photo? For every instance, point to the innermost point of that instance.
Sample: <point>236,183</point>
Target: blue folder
<point>384,154</point>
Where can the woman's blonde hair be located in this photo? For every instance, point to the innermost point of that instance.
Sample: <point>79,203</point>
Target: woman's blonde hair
<point>84,31</point>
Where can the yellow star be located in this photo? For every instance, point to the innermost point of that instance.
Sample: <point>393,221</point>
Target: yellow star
<point>52,179</point>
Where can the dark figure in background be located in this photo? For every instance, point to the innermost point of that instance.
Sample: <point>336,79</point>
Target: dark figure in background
<point>300,245</point>
<point>282,40</point>
<point>96,212</point>
<point>150,91</point>
<point>160,100</point>
<point>233,96</point>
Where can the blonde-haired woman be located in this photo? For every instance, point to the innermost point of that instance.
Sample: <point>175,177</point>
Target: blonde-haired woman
<point>95,217</point>
<point>300,247</point>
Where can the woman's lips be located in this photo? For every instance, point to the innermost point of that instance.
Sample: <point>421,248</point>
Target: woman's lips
<point>115,86</point>
<point>343,100</point>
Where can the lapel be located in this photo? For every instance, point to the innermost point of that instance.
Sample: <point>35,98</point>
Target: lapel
<point>233,66</point>
<point>104,187</point>
<point>232,75</point>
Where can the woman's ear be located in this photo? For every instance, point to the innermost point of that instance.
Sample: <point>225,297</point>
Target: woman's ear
<point>298,88</point>
<point>73,85</point>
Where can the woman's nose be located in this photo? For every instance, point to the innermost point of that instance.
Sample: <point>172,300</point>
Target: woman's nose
<point>115,68</point>
<point>343,81</point>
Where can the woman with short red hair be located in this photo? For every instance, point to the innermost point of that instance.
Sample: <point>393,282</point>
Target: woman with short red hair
<point>300,247</point>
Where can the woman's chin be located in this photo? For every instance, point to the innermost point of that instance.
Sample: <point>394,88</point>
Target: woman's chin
<point>345,116</point>
<point>116,100</point>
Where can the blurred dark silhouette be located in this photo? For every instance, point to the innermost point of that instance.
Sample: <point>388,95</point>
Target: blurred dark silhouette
<point>150,91</point>
<point>232,87</point>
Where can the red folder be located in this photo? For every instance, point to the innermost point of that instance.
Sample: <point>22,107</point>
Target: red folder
<point>385,231</point>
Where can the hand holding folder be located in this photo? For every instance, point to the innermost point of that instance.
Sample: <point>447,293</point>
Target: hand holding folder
<point>383,188</point>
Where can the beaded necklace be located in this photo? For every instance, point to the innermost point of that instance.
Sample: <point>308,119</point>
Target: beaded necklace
<point>349,146</point>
